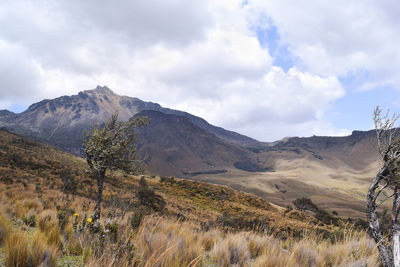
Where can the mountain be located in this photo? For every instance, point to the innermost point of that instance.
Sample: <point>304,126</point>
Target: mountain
<point>175,142</point>
<point>335,172</point>
<point>171,143</point>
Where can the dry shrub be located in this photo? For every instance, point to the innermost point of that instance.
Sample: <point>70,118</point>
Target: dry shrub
<point>30,218</point>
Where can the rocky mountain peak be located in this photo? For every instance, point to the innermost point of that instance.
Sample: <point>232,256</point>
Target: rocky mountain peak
<point>100,90</point>
<point>5,112</point>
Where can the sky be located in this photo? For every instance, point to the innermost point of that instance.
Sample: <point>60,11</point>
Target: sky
<point>266,69</point>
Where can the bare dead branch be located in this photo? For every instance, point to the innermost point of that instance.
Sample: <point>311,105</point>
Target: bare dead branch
<point>381,189</point>
<point>377,206</point>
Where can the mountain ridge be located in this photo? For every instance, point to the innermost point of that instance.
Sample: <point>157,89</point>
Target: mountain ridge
<point>334,172</point>
<point>63,120</point>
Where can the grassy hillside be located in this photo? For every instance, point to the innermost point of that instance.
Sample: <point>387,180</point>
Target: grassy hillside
<point>196,224</point>
<point>335,172</point>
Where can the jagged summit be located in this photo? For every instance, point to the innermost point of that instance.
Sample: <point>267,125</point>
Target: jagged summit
<point>99,90</point>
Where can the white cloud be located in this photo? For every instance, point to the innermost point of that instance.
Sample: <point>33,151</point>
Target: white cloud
<point>19,74</point>
<point>278,103</point>
<point>338,37</point>
<point>199,56</point>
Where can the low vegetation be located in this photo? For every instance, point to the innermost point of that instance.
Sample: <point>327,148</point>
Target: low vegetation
<point>46,215</point>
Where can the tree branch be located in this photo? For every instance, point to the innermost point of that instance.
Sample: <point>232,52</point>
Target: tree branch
<point>377,206</point>
<point>380,190</point>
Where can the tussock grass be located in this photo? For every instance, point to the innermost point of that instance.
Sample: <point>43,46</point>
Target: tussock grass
<point>232,249</point>
<point>20,209</point>
<point>17,250</point>
<point>21,251</point>
<point>166,242</point>
<point>217,225</point>
<point>46,220</point>
<point>40,251</point>
<point>5,228</point>
<point>33,204</point>
<point>53,236</point>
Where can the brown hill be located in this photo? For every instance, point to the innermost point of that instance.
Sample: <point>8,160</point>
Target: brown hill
<point>32,171</point>
<point>335,172</point>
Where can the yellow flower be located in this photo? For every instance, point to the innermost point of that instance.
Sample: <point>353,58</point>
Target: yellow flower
<point>89,220</point>
<point>76,214</point>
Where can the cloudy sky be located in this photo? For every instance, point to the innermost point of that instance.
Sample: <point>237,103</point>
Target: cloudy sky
<point>264,68</point>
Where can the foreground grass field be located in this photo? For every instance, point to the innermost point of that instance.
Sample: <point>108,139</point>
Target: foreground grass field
<point>162,241</point>
<point>46,204</point>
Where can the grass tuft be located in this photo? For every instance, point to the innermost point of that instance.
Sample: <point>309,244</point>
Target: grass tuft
<point>17,250</point>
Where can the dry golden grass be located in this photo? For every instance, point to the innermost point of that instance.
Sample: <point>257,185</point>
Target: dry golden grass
<point>5,227</point>
<point>217,225</point>
<point>47,219</point>
<point>24,251</point>
<point>39,249</point>
<point>165,242</point>
<point>17,250</point>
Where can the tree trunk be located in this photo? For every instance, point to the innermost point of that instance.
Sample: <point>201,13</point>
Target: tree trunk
<point>100,181</point>
<point>396,227</point>
<point>375,230</point>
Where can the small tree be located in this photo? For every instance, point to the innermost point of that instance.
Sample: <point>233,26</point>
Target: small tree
<point>387,178</point>
<point>112,147</point>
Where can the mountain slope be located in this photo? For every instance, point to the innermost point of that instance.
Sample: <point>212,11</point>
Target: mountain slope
<point>175,142</point>
<point>32,170</point>
<point>334,171</point>
<point>172,143</point>
<point>61,121</point>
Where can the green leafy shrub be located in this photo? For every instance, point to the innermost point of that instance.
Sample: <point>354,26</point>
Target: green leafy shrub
<point>29,220</point>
